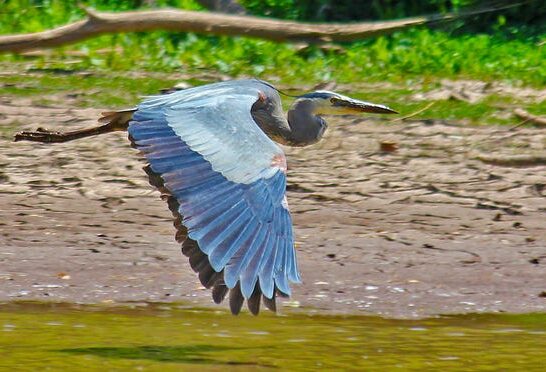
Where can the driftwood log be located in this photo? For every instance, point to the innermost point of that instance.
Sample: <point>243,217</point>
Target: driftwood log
<point>98,23</point>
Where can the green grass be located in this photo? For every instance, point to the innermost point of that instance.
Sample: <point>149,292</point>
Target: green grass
<point>87,90</point>
<point>111,90</point>
<point>116,70</point>
<point>405,55</point>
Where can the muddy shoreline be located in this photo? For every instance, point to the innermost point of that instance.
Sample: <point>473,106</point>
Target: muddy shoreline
<point>428,229</point>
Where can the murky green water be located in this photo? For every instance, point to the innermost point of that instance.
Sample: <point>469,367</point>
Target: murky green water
<point>173,338</point>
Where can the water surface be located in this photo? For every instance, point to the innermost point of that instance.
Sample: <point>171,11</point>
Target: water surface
<point>171,337</point>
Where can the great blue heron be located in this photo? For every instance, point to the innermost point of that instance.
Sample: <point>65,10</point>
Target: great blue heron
<point>211,152</point>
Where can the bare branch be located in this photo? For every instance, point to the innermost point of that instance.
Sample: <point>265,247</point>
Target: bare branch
<point>98,23</point>
<point>530,118</point>
<point>513,161</point>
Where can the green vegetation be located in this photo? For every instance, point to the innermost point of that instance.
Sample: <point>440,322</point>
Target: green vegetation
<point>114,70</point>
<point>108,90</point>
<point>513,19</point>
<point>86,90</point>
<point>170,337</point>
<point>402,56</point>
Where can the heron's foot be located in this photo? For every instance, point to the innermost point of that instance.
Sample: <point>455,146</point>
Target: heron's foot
<point>40,135</point>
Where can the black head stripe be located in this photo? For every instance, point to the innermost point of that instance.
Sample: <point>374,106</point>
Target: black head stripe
<point>320,95</point>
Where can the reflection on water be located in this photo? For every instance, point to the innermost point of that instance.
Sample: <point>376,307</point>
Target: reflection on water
<point>172,337</point>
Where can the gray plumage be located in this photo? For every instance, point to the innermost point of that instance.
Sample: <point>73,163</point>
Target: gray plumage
<point>304,124</point>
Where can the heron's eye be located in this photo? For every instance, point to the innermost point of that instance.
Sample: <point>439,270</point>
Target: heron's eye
<point>333,100</point>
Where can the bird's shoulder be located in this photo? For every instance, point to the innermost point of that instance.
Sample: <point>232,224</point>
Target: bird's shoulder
<point>242,92</point>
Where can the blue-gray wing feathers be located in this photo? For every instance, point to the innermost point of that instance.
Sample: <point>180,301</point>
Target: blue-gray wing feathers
<point>217,163</point>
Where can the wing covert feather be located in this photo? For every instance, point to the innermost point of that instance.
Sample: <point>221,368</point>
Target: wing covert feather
<point>205,150</point>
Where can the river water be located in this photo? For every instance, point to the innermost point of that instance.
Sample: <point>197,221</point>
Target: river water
<point>174,337</point>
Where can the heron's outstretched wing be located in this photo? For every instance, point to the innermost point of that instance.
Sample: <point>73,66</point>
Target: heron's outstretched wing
<point>225,181</point>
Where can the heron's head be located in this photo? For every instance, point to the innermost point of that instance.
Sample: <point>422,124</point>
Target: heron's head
<point>324,102</point>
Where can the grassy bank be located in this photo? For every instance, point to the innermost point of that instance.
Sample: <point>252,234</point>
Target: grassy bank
<point>417,53</point>
<point>119,89</point>
<point>114,70</point>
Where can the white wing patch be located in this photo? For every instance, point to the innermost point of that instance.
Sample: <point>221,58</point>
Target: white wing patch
<point>218,124</point>
<point>284,203</point>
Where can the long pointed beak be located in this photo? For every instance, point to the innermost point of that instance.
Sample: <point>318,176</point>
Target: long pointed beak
<point>357,106</point>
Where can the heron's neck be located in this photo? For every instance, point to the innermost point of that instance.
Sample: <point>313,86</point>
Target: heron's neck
<point>306,128</point>
<point>302,128</point>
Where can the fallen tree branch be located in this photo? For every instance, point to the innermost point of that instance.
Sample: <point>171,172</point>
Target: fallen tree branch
<point>530,118</point>
<point>98,23</point>
<point>513,160</point>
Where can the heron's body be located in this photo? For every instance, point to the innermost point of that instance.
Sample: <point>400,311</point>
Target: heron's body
<point>212,152</point>
<point>225,184</point>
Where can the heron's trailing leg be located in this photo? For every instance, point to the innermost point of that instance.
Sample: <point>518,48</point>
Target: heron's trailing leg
<point>114,121</point>
<point>47,136</point>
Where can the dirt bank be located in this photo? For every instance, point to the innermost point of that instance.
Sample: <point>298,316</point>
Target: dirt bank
<point>426,229</point>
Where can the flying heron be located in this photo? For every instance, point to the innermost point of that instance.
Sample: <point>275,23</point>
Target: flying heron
<point>212,152</point>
